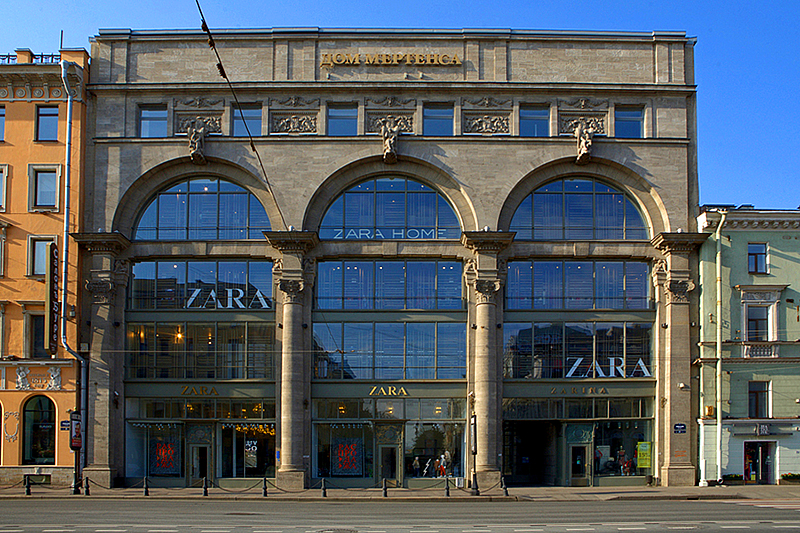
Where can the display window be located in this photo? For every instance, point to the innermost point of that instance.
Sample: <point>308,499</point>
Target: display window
<point>247,450</point>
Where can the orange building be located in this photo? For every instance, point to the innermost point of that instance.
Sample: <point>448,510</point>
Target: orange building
<point>38,374</point>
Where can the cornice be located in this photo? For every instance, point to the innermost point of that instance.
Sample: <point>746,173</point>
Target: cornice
<point>292,241</point>
<point>487,241</point>
<point>678,242</point>
<point>36,82</point>
<point>102,242</point>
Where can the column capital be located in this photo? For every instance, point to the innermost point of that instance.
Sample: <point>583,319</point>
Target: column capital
<point>293,241</point>
<point>485,290</point>
<point>685,243</point>
<point>102,243</point>
<point>487,241</point>
<point>292,288</point>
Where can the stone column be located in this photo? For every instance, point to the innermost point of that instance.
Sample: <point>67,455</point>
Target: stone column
<point>293,401</point>
<point>486,386</point>
<point>674,365</point>
<point>106,285</point>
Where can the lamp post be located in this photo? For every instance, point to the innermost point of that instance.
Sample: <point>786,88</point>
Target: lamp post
<point>473,437</point>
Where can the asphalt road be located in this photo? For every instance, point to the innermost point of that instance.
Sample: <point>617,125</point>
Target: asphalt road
<point>264,516</point>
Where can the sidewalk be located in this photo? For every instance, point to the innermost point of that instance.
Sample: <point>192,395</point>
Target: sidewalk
<point>554,494</point>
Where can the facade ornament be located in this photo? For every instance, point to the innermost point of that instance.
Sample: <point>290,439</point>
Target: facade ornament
<point>486,101</point>
<point>102,290</point>
<point>405,123</point>
<point>487,124</point>
<point>298,101</point>
<point>277,266</point>
<point>198,101</point>
<point>391,101</point>
<point>11,436</point>
<point>22,378</point>
<point>55,378</point>
<point>485,290</point>
<point>210,123</point>
<point>294,124</point>
<point>390,130</point>
<point>293,289</point>
<point>584,104</point>
<point>309,264</point>
<point>584,129</point>
<point>679,289</point>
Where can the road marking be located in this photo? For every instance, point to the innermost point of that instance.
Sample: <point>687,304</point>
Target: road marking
<point>682,527</point>
<point>630,528</point>
<point>580,529</point>
<point>527,530</point>
<point>787,527</point>
<point>110,530</point>
<point>56,530</point>
<point>735,527</point>
<point>162,531</point>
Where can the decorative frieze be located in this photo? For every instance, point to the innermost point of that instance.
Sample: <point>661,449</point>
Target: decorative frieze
<point>486,101</point>
<point>293,123</point>
<point>198,102</point>
<point>376,121</point>
<point>188,123</point>
<point>392,101</point>
<point>486,124</point>
<point>295,101</point>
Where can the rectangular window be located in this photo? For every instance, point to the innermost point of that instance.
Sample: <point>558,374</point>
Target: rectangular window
<point>534,121</point>
<point>342,120</point>
<point>153,121</point>
<point>36,340</point>
<point>758,399</point>
<point>628,122</point>
<point>37,255</point>
<point>45,183</point>
<point>47,123</point>
<point>3,180</point>
<point>437,120</point>
<point>757,323</point>
<point>2,123</point>
<point>249,115</point>
<point>757,258</point>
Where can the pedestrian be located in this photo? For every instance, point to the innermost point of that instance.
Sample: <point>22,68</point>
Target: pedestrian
<point>415,465</point>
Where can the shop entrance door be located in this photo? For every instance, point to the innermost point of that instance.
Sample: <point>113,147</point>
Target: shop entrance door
<point>759,463</point>
<point>388,470</point>
<point>199,466</point>
<point>579,469</point>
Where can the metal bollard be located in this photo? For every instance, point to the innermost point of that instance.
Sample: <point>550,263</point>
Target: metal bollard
<point>86,486</point>
<point>27,485</point>
<point>324,490</point>
<point>385,492</point>
<point>76,486</point>
<point>146,487</point>
<point>503,485</point>
<point>447,486</point>
<point>264,488</point>
<point>205,486</point>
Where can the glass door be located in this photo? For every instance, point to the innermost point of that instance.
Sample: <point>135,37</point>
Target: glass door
<point>388,465</point>
<point>199,456</point>
<point>579,470</point>
<point>759,463</point>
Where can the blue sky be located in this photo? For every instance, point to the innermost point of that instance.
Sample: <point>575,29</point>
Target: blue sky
<point>746,64</point>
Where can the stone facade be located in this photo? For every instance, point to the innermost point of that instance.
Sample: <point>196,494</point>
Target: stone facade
<point>484,171</point>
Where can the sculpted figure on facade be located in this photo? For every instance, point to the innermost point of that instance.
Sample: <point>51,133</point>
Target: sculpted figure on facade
<point>22,378</point>
<point>584,129</point>
<point>390,129</point>
<point>55,378</point>
<point>197,141</point>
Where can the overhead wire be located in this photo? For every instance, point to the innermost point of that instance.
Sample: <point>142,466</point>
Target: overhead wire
<point>221,69</point>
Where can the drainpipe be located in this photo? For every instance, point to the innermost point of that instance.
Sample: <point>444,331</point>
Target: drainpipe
<point>82,362</point>
<point>718,408</point>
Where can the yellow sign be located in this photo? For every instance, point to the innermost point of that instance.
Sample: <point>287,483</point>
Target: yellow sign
<point>410,58</point>
<point>644,454</point>
<point>388,391</point>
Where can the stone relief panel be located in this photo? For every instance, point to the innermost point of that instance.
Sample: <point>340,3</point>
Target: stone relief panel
<point>486,124</point>
<point>187,123</point>
<point>11,426</point>
<point>485,102</point>
<point>376,121</point>
<point>293,123</point>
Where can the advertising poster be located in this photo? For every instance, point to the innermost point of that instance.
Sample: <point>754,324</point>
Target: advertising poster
<point>643,454</point>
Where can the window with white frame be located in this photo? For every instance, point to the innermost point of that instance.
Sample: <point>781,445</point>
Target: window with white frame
<point>760,318</point>
<point>153,121</point>
<point>37,254</point>
<point>43,187</point>
<point>757,258</point>
<point>3,181</point>
<point>758,399</point>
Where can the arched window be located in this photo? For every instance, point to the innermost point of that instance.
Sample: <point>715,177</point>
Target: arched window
<point>390,207</point>
<point>203,208</point>
<point>578,209</point>
<point>39,432</point>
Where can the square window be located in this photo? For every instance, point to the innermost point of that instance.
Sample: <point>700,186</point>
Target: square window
<point>249,115</point>
<point>628,122</point>
<point>342,120</point>
<point>153,121</point>
<point>758,396</point>
<point>437,120</point>
<point>534,121</point>
<point>2,123</point>
<point>46,123</point>
<point>37,255</point>
<point>757,258</point>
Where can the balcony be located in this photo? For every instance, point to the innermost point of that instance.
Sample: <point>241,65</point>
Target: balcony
<point>760,349</point>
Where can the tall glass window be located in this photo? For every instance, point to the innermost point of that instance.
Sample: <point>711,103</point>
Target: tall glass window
<point>47,123</point>
<point>39,431</point>
<point>578,285</point>
<point>391,350</point>
<point>389,285</point>
<point>204,209</point>
<point>578,209</point>
<point>390,207</point>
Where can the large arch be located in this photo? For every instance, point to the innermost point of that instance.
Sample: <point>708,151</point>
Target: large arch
<point>155,179</point>
<point>643,193</point>
<point>371,167</point>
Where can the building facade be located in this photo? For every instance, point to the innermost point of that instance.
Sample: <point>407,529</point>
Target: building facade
<point>38,379</point>
<point>391,255</point>
<point>749,350</point>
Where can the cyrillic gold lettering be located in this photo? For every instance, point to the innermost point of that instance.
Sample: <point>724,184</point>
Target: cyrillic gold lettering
<point>419,59</point>
<point>353,59</point>
<point>326,61</point>
<point>338,59</point>
<point>444,59</point>
<point>397,58</point>
<point>371,59</point>
<point>456,60</point>
<point>432,59</point>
